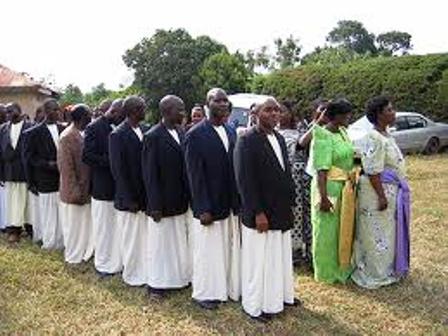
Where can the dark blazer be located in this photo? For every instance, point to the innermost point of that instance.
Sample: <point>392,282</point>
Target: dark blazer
<point>13,168</point>
<point>210,171</point>
<point>263,185</point>
<point>40,156</point>
<point>164,172</point>
<point>125,158</point>
<point>96,155</point>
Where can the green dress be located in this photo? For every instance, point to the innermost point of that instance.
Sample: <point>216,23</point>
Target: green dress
<point>328,150</point>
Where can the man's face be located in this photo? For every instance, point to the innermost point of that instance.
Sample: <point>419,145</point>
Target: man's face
<point>176,112</point>
<point>269,114</point>
<point>118,115</point>
<point>13,112</point>
<point>141,112</point>
<point>86,119</point>
<point>52,111</point>
<point>219,104</point>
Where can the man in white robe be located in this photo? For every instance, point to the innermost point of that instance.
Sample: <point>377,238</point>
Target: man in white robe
<point>107,231</point>
<point>43,174</point>
<point>167,195</point>
<point>267,194</point>
<point>13,172</point>
<point>125,147</point>
<point>216,234</point>
<point>74,189</point>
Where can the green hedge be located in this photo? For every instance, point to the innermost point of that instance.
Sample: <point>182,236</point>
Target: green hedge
<point>416,83</point>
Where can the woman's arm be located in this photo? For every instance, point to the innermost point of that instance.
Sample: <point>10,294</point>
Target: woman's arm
<point>375,181</point>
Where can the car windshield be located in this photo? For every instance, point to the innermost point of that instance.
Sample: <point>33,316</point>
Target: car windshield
<point>238,117</point>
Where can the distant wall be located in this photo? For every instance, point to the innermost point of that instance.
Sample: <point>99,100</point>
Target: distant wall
<point>28,101</point>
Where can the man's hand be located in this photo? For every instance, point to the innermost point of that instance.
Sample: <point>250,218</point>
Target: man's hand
<point>206,218</point>
<point>133,208</point>
<point>156,216</point>
<point>261,222</point>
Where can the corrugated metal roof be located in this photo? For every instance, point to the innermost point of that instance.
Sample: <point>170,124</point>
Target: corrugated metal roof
<point>10,79</point>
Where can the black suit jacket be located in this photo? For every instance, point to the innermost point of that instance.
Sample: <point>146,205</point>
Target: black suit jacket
<point>96,155</point>
<point>164,172</point>
<point>40,159</point>
<point>125,150</point>
<point>263,185</point>
<point>210,171</point>
<point>13,168</point>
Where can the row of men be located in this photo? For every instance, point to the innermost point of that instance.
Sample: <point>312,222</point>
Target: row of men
<point>125,192</point>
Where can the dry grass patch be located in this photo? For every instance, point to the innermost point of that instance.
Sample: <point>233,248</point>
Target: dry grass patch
<point>40,295</point>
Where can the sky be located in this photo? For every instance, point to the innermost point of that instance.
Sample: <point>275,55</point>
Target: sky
<point>82,42</point>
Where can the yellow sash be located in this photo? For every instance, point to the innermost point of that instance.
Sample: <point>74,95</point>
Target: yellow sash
<point>348,205</point>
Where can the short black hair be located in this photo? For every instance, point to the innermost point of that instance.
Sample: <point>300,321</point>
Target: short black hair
<point>318,102</point>
<point>375,106</point>
<point>337,107</point>
<point>79,111</point>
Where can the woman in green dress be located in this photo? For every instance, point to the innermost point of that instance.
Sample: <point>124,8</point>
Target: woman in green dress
<point>331,150</point>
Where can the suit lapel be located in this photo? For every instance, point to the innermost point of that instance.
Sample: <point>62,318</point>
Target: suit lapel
<point>214,136</point>
<point>169,138</point>
<point>8,144</point>
<point>46,134</point>
<point>270,152</point>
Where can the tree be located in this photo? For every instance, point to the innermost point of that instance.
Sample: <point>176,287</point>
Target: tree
<point>96,95</point>
<point>332,56</point>
<point>353,36</point>
<point>226,71</point>
<point>393,42</point>
<point>169,62</point>
<point>72,94</point>
<point>287,53</point>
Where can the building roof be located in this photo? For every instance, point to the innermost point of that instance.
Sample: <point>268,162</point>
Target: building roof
<point>16,81</point>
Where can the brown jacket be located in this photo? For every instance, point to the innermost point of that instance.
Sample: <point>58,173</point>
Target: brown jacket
<point>74,174</point>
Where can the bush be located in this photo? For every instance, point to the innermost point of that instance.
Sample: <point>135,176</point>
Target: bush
<point>416,83</point>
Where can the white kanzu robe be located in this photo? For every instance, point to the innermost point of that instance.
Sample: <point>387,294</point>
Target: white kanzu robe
<point>32,216</point>
<point>267,271</point>
<point>108,236</point>
<point>52,237</point>
<point>2,208</point>
<point>76,224</point>
<point>216,260</point>
<point>168,252</point>
<point>134,242</point>
<point>16,199</point>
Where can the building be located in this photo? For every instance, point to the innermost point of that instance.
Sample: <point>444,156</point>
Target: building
<point>22,89</point>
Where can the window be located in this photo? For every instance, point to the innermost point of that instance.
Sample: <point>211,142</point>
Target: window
<point>416,122</point>
<point>401,124</point>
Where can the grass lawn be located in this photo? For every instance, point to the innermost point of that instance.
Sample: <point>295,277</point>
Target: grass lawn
<point>40,295</point>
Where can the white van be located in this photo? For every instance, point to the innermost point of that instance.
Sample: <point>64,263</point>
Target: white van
<point>241,103</point>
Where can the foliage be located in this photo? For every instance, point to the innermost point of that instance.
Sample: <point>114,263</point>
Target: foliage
<point>286,55</point>
<point>169,62</point>
<point>394,42</point>
<point>332,56</point>
<point>71,94</point>
<point>225,71</point>
<point>416,83</point>
<point>353,36</point>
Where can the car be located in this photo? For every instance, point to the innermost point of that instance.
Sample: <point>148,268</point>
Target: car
<point>413,132</point>
<point>241,104</point>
